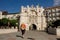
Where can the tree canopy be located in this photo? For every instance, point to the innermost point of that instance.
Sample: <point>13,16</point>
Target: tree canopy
<point>57,23</point>
<point>5,21</point>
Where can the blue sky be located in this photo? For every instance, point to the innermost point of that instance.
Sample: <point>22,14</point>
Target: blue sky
<point>13,6</point>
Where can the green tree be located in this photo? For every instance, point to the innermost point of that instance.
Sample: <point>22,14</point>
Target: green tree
<point>0,22</point>
<point>56,23</point>
<point>13,23</point>
<point>5,22</point>
<point>50,23</point>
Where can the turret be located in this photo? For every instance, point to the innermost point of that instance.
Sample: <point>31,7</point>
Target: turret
<point>22,8</point>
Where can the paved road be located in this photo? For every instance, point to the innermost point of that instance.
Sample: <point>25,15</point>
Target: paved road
<point>29,35</point>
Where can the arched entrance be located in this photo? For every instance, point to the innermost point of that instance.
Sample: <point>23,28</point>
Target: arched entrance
<point>33,27</point>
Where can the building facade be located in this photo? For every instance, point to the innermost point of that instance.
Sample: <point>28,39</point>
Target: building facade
<point>52,14</point>
<point>0,15</point>
<point>5,14</point>
<point>36,18</point>
<point>33,17</point>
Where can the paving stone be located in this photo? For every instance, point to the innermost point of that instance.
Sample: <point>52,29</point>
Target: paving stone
<point>11,38</point>
<point>29,35</point>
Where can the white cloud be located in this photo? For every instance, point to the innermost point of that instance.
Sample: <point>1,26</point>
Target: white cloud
<point>56,2</point>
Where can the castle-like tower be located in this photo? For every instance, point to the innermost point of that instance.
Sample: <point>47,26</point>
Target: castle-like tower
<point>33,17</point>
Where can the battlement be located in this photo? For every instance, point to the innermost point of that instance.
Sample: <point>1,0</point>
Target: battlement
<point>29,8</point>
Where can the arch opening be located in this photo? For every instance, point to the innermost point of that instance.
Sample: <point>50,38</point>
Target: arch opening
<point>33,27</point>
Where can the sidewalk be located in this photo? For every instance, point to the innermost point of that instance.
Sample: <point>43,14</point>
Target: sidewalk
<point>6,31</point>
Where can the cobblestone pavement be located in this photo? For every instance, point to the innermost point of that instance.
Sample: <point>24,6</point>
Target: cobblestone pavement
<point>29,35</point>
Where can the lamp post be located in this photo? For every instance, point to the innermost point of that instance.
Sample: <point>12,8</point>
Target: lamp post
<point>18,18</point>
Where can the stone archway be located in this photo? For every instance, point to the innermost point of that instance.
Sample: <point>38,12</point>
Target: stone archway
<point>32,27</point>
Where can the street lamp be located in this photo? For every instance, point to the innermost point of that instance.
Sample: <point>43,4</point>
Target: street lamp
<point>18,18</point>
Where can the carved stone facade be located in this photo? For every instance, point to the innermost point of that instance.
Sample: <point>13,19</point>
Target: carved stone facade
<point>33,17</point>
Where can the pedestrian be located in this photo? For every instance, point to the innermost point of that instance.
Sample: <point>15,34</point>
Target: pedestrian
<point>23,29</point>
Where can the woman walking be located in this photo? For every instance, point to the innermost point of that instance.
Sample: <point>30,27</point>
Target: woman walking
<point>23,29</point>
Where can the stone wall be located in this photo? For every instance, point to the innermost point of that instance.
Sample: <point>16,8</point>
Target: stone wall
<point>58,32</point>
<point>52,30</point>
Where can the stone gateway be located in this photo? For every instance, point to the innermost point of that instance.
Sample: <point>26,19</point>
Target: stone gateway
<point>33,17</point>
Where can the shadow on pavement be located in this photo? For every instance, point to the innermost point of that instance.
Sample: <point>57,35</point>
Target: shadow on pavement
<point>31,38</point>
<point>58,38</point>
<point>19,36</point>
